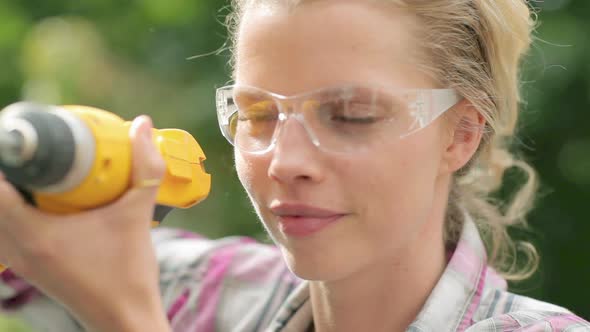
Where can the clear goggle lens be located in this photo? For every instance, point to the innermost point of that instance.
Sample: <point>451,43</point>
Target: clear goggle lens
<point>337,119</point>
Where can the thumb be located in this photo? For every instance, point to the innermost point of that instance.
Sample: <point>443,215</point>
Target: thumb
<point>148,166</point>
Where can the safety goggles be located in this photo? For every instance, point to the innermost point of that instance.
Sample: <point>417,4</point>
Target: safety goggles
<point>344,119</point>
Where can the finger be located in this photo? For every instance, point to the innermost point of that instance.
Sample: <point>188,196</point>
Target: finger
<point>18,222</point>
<point>148,166</point>
<point>12,204</point>
<point>6,244</point>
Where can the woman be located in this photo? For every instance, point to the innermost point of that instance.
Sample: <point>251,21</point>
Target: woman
<point>367,135</point>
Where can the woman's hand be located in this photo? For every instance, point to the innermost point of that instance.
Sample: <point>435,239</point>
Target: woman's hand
<point>100,264</point>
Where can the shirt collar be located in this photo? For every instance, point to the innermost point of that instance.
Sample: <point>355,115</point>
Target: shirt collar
<point>450,305</point>
<point>456,296</point>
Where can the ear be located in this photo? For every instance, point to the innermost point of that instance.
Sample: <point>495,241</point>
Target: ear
<point>465,133</point>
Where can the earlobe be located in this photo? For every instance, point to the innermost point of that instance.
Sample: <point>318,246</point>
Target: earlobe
<point>466,134</point>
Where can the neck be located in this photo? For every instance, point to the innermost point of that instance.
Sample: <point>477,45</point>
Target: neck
<point>388,295</point>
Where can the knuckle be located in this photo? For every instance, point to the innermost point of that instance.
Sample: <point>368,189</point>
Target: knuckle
<point>10,203</point>
<point>38,248</point>
<point>4,206</point>
<point>117,211</point>
<point>19,265</point>
<point>158,166</point>
<point>4,217</point>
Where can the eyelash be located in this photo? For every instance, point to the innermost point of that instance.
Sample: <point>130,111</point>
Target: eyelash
<point>354,120</point>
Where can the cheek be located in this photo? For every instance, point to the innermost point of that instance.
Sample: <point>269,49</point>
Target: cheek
<point>245,168</point>
<point>400,188</point>
<point>251,171</point>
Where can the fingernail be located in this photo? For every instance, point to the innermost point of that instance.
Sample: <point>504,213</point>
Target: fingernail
<point>147,132</point>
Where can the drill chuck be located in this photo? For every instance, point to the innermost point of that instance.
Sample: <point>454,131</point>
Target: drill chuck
<point>12,147</point>
<point>39,145</point>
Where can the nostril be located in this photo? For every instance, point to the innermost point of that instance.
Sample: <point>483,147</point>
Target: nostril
<point>292,163</point>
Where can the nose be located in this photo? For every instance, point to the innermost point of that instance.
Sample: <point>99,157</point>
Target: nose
<point>295,157</point>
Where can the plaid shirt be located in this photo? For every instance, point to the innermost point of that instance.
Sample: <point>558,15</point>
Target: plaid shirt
<point>237,284</point>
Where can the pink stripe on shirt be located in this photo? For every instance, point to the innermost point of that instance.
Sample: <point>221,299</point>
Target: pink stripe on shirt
<point>178,304</point>
<point>475,301</point>
<point>212,287</point>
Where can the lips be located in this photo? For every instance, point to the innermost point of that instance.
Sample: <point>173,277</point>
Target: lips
<point>300,220</point>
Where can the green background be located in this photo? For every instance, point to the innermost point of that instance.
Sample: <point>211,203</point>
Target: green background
<point>131,57</point>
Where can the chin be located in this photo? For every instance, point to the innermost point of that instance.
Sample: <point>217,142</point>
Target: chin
<point>311,274</point>
<point>317,267</point>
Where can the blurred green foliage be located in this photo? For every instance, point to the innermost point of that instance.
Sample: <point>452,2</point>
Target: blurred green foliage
<point>131,57</point>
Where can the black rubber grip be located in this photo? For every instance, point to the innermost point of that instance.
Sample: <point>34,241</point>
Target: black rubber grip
<point>160,212</point>
<point>54,156</point>
<point>26,194</point>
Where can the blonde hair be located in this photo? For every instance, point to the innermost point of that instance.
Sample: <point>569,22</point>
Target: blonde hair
<point>475,47</point>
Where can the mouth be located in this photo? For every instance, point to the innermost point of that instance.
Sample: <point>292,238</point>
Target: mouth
<point>301,220</point>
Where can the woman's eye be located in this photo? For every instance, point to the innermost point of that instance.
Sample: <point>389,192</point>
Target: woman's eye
<point>258,117</point>
<point>351,113</point>
<point>258,112</point>
<point>355,120</point>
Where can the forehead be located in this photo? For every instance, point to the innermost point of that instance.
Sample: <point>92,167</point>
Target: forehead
<point>323,43</point>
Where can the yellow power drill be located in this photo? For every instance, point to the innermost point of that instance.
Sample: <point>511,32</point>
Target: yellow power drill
<point>66,159</point>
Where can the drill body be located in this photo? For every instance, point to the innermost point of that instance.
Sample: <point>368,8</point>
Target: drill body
<point>68,159</point>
